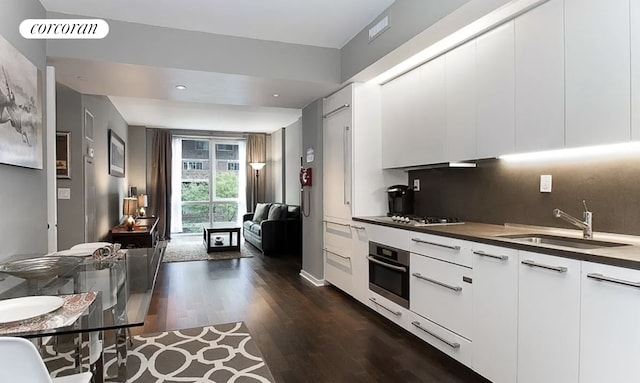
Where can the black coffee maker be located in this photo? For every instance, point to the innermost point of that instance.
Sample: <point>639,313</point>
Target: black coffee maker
<point>400,200</point>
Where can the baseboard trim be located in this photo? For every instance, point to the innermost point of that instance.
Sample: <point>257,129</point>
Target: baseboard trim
<point>316,282</point>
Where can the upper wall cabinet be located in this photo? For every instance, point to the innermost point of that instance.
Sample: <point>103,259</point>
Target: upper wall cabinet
<point>539,44</point>
<point>496,91</point>
<point>461,88</point>
<point>414,117</point>
<point>597,72</point>
<point>635,70</point>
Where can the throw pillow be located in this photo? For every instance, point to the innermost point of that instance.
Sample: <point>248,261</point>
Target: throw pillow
<point>261,213</point>
<point>275,212</point>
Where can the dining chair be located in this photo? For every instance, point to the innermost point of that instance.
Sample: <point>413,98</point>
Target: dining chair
<point>21,362</point>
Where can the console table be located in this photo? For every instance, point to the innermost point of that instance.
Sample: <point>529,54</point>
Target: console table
<point>144,233</point>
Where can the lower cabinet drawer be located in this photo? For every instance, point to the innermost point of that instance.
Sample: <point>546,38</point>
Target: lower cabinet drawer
<point>443,293</point>
<point>444,340</point>
<point>337,236</point>
<point>338,270</point>
<point>388,309</point>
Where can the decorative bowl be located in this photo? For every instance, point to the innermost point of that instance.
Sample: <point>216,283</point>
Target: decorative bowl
<point>40,267</point>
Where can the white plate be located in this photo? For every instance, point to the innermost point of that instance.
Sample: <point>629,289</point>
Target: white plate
<point>73,253</point>
<point>91,245</point>
<point>17,309</point>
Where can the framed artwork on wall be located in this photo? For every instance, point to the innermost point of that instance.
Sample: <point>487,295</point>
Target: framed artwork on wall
<point>20,109</point>
<point>116,154</point>
<point>63,155</point>
<point>88,124</point>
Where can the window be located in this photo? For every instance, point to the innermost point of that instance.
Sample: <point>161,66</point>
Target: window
<point>208,187</point>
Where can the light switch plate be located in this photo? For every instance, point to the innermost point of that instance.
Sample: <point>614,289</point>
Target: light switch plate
<point>416,184</point>
<point>545,183</point>
<point>64,193</point>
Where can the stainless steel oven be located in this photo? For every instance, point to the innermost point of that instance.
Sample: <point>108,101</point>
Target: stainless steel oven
<point>389,273</point>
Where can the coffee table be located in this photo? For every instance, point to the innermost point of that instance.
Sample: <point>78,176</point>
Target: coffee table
<point>230,244</point>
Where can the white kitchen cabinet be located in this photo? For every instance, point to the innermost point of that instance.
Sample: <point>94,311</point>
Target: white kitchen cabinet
<point>539,74</point>
<point>359,253</point>
<point>495,312</point>
<point>609,331</point>
<point>414,117</point>
<point>461,89</point>
<point>444,248</point>
<point>338,259</point>
<point>354,183</point>
<point>597,72</point>
<point>495,67</point>
<point>388,309</point>
<point>635,70</point>
<point>548,318</point>
<point>442,292</point>
<point>452,344</point>
<point>401,120</point>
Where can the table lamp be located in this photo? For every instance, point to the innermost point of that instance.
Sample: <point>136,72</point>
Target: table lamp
<point>142,203</point>
<point>129,208</point>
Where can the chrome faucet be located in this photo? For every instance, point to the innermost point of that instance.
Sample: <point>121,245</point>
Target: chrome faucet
<point>586,225</point>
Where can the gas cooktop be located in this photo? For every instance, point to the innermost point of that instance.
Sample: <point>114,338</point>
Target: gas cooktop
<point>411,220</point>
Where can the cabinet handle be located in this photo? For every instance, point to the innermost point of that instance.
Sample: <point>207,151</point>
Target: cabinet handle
<point>560,269</point>
<point>345,164</point>
<point>604,278</point>
<point>336,110</point>
<point>396,313</point>
<point>483,254</point>
<point>358,227</point>
<point>453,345</point>
<point>456,248</point>
<point>420,276</point>
<point>337,223</point>
<point>336,254</point>
<point>388,266</point>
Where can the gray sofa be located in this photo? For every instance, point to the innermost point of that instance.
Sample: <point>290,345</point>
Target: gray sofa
<point>274,228</point>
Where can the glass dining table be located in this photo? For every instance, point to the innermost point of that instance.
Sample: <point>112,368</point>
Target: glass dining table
<point>112,294</point>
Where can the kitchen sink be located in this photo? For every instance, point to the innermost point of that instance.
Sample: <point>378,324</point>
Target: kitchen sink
<point>576,243</point>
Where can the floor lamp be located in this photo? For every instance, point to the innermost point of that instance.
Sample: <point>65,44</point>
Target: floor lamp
<point>256,166</point>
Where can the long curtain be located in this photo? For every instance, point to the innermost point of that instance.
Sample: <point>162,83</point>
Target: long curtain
<point>256,152</point>
<point>160,188</point>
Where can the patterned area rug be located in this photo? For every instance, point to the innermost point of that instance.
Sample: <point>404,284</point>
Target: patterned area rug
<point>190,248</point>
<point>220,353</point>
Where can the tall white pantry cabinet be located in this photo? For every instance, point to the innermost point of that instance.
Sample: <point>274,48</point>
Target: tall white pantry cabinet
<point>354,183</point>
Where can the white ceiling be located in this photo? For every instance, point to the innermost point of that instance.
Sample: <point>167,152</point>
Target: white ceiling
<point>220,101</point>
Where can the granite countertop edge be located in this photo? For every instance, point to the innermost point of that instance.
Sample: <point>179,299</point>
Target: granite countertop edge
<point>627,256</point>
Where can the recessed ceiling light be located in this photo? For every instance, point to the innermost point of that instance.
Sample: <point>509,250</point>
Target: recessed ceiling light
<point>181,87</point>
<point>276,95</point>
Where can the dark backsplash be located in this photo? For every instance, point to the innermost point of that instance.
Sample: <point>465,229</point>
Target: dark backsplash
<point>499,192</point>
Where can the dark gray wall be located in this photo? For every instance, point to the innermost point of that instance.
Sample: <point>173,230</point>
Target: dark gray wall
<point>23,192</point>
<point>407,18</point>
<point>69,118</point>
<point>109,189</point>
<point>312,228</point>
<point>138,158</point>
<point>499,192</point>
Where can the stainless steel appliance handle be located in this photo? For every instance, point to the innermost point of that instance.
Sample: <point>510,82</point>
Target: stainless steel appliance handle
<point>420,276</point>
<point>454,345</point>
<point>529,262</point>
<point>388,266</point>
<point>604,278</point>
<point>345,165</point>
<point>396,313</point>
<point>336,254</point>
<point>338,223</point>
<point>483,254</point>
<point>456,248</point>
<point>358,227</point>
<point>336,110</point>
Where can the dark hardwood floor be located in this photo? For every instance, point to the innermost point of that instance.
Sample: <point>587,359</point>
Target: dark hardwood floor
<point>306,333</point>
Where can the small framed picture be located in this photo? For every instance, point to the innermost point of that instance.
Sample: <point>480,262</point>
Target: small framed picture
<point>63,155</point>
<point>88,125</point>
<point>116,154</point>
